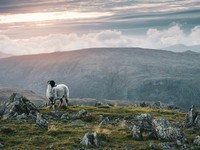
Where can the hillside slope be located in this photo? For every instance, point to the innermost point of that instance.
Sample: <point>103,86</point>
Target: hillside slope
<point>110,73</point>
<point>5,94</point>
<point>3,55</point>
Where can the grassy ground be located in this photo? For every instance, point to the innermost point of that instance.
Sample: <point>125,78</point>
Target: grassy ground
<point>68,134</point>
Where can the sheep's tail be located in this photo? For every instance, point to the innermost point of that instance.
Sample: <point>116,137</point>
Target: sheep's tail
<point>67,95</point>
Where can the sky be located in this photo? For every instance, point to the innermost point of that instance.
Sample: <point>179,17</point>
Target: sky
<point>40,26</point>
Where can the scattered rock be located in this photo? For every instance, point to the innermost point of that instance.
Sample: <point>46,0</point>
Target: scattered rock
<point>56,113</point>
<point>78,122</point>
<point>136,131</point>
<point>2,109</point>
<point>167,145</point>
<point>32,115</point>
<point>65,116</point>
<point>153,146</point>
<point>173,107</point>
<point>1,145</point>
<point>161,105</point>
<point>144,121</point>
<point>81,114</point>
<point>143,104</point>
<point>191,116</point>
<point>197,121</point>
<point>165,131</point>
<point>127,148</point>
<point>90,139</point>
<point>18,105</point>
<point>98,104</point>
<point>100,118</point>
<point>40,122</point>
<point>157,104</point>
<point>155,128</point>
<point>197,140</point>
<point>123,123</point>
<point>178,142</point>
<point>104,121</point>
<point>185,147</point>
<point>51,146</point>
<point>22,116</point>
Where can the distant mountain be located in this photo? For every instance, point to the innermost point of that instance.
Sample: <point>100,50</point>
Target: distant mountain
<point>110,73</point>
<point>3,55</point>
<point>5,94</point>
<point>182,48</point>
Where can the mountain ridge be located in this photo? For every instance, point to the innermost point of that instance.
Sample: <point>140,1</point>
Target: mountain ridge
<point>110,73</point>
<point>183,48</point>
<point>4,55</point>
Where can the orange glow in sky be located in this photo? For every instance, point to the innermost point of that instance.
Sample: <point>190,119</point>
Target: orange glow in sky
<point>50,16</point>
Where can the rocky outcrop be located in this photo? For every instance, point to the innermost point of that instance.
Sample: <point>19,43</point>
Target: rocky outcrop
<point>82,113</point>
<point>103,104</point>
<point>19,107</point>
<point>94,139</point>
<point>155,128</point>
<point>192,117</point>
<point>65,116</point>
<point>41,122</point>
<point>197,140</point>
<point>143,123</point>
<point>136,132</point>
<point>1,145</point>
<point>158,105</point>
<point>103,120</point>
<point>165,131</point>
<point>90,139</point>
<point>167,146</point>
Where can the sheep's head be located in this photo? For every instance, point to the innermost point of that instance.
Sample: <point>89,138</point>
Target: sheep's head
<point>51,82</point>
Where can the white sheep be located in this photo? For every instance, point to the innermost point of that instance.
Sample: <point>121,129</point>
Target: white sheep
<point>57,92</point>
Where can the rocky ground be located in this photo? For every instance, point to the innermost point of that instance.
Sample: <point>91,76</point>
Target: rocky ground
<point>103,126</point>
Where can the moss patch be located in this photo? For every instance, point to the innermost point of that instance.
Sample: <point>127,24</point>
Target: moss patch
<point>68,135</point>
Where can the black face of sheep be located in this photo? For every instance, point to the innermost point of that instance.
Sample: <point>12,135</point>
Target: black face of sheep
<point>51,82</point>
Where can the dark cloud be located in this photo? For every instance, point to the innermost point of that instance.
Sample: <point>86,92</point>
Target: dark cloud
<point>128,16</point>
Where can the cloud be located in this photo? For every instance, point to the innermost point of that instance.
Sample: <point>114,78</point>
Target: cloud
<point>195,35</point>
<point>154,38</point>
<point>172,36</point>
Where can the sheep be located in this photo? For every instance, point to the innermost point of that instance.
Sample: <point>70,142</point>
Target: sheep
<point>57,92</point>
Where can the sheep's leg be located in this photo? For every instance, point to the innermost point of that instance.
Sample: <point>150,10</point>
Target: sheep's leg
<point>61,102</point>
<point>51,101</point>
<point>67,102</point>
<point>64,102</point>
<point>55,104</point>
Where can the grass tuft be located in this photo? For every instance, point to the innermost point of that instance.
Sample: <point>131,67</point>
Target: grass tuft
<point>68,135</point>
